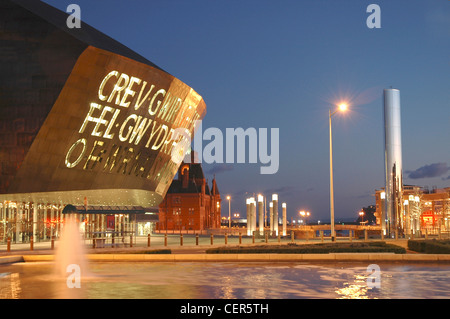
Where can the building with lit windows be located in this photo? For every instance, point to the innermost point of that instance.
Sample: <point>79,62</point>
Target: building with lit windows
<point>85,121</point>
<point>424,210</point>
<point>190,204</point>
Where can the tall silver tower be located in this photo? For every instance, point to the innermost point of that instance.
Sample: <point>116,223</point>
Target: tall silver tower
<point>393,163</point>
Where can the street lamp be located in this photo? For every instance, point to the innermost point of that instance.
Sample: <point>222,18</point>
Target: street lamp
<point>361,213</point>
<point>302,214</point>
<point>229,212</point>
<point>342,107</point>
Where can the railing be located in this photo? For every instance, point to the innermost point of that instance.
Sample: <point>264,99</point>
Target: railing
<point>111,239</point>
<point>162,239</point>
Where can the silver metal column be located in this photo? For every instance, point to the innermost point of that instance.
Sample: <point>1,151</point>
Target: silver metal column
<point>407,217</point>
<point>275,213</point>
<point>393,161</point>
<point>261,214</point>
<point>383,212</point>
<point>284,218</point>
<point>253,213</point>
<point>271,217</point>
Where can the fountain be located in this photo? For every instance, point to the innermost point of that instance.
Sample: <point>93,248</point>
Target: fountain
<point>70,258</point>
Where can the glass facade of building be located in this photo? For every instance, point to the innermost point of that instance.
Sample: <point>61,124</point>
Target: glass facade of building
<point>21,221</point>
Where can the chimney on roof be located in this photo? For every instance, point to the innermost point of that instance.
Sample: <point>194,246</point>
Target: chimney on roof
<point>185,176</point>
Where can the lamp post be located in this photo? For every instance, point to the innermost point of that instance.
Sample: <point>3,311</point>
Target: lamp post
<point>302,214</point>
<point>342,107</point>
<point>229,212</point>
<point>361,214</point>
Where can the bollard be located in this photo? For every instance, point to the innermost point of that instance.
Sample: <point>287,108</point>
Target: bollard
<point>196,239</point>
<point>148,240</point>
<point>93,243</point>
<point>226,238</point>
<point>365,234</point>
<point>181,239</point>
<point>307,235</point>
<point>396,234</point>
<point>131,241</point>
<point>240,238</point>
<point>112,240</point>
<point>292,236</point>
<point>8,244</point>
<point>426,233</point>
<point>350,235</point>
<point>53,242</point>
<point>165,239</point>
<point>382,235</point>
<point>253,238</point>
<point>31,243</point>
<point>212,239</point>
<point>267,237</point>
<point>279,237</point>
<point>439,233</point>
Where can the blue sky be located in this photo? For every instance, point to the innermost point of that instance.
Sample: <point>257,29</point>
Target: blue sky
<point>282,64</point>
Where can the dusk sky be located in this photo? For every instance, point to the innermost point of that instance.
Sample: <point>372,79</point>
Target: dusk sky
<point>285,64</point>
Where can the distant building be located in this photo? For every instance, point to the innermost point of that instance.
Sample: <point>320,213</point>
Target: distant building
<point>190,204</point>
<point>423,210</point>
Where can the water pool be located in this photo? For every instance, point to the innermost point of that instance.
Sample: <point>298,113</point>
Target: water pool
<point>227,280</point>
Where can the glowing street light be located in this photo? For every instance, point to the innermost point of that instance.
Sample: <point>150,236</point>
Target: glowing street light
<point>361,213</point>
<point>304,214</point>
<point>342,107</point>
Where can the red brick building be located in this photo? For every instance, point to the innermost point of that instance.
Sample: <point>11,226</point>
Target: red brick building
<point>190,204</point>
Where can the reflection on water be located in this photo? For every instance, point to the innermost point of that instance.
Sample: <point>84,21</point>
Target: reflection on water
<point>229,281</point>
<point>356,290</point>
<point>9,286</point>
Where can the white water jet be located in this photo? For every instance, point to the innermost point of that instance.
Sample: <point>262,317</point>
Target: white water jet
<point>70,249</point>
<point>70,258</point>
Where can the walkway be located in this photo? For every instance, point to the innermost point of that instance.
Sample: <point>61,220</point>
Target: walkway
<point>187,249</point>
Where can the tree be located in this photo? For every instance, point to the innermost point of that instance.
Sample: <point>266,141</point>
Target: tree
<point>369,215</point>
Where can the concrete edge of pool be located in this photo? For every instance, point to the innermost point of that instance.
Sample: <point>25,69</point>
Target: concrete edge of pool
<point>366,257</point>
